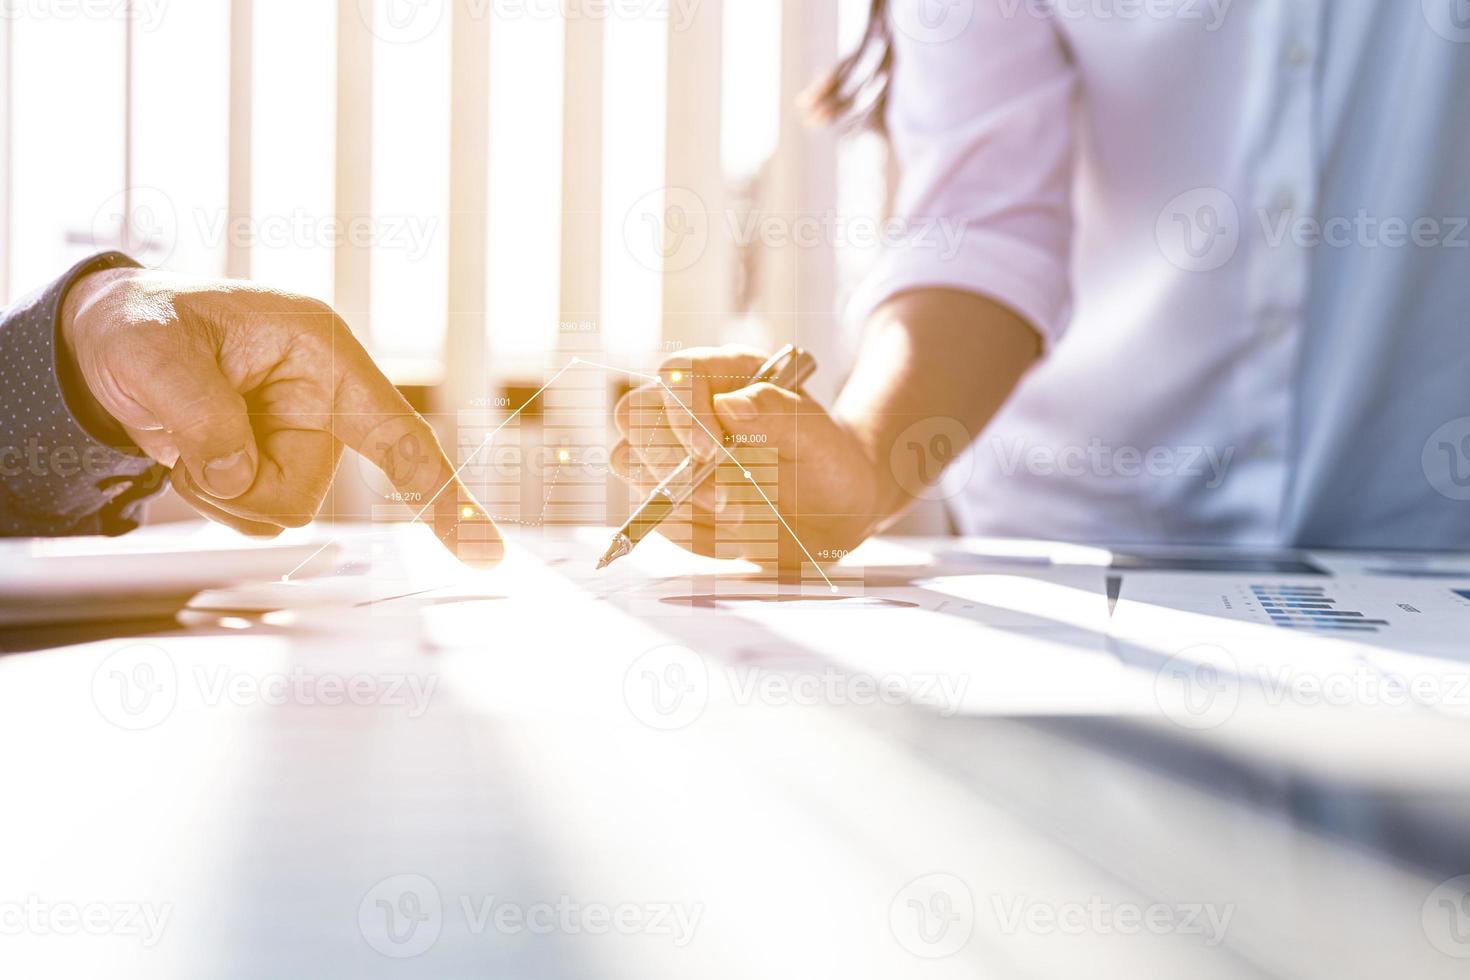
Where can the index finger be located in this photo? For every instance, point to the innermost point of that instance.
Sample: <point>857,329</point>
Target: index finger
<point>373,418</point>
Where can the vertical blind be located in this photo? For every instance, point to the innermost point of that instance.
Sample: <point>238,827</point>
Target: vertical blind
<point>484,188</point>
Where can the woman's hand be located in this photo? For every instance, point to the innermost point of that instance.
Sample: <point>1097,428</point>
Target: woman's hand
<point>803,464</point>
<point>935,361</point>
<point>249,395</point>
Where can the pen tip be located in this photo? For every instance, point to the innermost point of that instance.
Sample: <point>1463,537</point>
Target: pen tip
<point>601,564</point>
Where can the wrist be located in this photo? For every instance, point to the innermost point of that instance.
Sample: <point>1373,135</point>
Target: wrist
<point>886,498</point>
<point>78,307</point>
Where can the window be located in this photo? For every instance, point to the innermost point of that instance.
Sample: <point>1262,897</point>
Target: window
<point>125,126</point>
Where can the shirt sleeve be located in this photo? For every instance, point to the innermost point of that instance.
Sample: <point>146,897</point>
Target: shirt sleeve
<point>56,478</point>
<point>981,119</point>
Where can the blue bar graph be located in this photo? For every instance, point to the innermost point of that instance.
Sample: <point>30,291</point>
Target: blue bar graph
<point>1309,607</point>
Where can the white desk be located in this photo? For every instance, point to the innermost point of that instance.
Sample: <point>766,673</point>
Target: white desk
<point>392,789</point>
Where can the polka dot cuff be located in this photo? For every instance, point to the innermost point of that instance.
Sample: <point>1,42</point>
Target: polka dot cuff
<point>55,477</point>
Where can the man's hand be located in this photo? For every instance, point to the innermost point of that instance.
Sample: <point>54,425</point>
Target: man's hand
<point>249,395</point>
<point>808,465</point>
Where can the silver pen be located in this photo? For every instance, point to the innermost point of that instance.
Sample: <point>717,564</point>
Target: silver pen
<point>789,368</point>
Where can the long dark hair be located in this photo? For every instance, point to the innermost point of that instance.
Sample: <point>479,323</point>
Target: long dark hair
<point>855,93</point>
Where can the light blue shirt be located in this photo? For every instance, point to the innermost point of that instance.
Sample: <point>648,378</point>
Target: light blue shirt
<point>1242,229</point>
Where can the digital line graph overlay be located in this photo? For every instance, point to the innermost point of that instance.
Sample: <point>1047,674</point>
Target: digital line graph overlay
<point>579,361</point>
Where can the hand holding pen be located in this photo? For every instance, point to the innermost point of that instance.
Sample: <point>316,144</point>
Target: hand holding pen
<point>711,409</point>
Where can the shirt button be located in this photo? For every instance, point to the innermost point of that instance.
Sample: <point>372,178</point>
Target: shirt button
<point>1285,201</point>
<point>1297,55</point>
<point>1265,449</point>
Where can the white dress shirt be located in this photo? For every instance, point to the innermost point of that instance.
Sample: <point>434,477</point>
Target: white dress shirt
<point>1240,228</point>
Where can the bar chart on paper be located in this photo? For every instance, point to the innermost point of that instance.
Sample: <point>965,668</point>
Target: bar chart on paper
<point>1309,607</point>
<point>1426,616</point>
